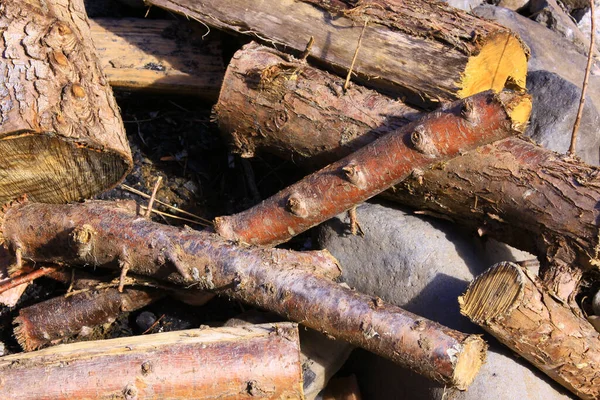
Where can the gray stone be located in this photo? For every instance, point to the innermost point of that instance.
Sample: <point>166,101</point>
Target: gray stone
<point>466,5</point>
<point>555,104</point>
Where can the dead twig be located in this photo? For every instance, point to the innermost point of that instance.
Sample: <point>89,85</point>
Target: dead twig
<point>153,196</point>
<point>28,277</point>
<point>355,55</point>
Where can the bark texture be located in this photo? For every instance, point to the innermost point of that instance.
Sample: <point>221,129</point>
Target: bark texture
<point>439,136</point>
<point>513,305</point>
<point>261,361</point>
<point>101,233</point>
<point>61,135</point>
<point>424,50</point>
<point>159,56</point>
<point>62,317</point>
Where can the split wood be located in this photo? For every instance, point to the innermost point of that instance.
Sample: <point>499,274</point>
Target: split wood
<point>57,106</point>
<point>513,305</point>
<point>292,284</point>
<point>253,362</point>
<point>436,137</point>
<point>425,50</point>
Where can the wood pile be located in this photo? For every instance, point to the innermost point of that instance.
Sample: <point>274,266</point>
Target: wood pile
<point>416,102</point>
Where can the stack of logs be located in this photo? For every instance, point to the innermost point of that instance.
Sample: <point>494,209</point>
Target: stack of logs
<point>438,121</point>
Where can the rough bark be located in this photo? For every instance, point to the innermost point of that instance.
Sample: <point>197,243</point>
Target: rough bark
<point>424,50</point>
<point>159,56</point>
<point>513,190</point>
<point>514,306</point>
<point>60,318</point>
<point>61,135</point>
<point>98,233</point>
<point>261,361</point>
<point>437,137</point>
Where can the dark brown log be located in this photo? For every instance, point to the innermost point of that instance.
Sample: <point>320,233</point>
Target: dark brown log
<point>513,305</point>
<point>422,49</point>
<point>159,56</point>
<point>60,318</point>
<point>285,282</point>
<point>513,190</point>
<point>436,137</point>
<point>254,362</point>
<point>61,135</point>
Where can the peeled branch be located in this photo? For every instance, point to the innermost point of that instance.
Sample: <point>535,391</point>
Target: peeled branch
<point>292,284</point>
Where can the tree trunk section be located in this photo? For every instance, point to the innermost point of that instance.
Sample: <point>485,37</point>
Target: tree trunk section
<point>515,307</point>
<point>281,281</point>
<point>423,50</point>
<point>254,362</point>
<point>437,137</point>
<point>159,56</point>
<point>61,135</point>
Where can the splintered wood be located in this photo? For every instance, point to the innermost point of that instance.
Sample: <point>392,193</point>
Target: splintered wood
<point>515,307</point>
<point>61,135</point>
<point>293,284</point>
<point>251,362</point>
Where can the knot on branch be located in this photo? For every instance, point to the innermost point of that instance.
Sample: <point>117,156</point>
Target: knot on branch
<point>422,141</point>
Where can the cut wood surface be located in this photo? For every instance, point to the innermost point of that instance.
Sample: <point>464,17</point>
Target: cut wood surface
<point>288,283</point>
<point>439,136</point>
<point>159,56</point>
<point>513,190</point>
<point>61,135</point>
<point>424,50</point>
<point>514,306</point>
<point>54,320</point>
<point>260,361</point>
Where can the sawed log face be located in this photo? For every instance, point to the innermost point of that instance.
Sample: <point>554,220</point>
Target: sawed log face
<point>285,282</point>
<point>424,50</point>
<point>436,137</point>
<point>61,135</point>
<point>253,362</point>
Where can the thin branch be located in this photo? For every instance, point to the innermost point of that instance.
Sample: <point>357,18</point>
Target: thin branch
<point>571,151</point>
<point>151,202</point>
<point>28,277</point>
<point>355,55</point>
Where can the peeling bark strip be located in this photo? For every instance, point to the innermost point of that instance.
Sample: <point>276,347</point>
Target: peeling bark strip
<point>253,362</point>
<point>423,49</point>
<point>61,135</point>
<point>145,54</point>
<point>436,137</point>
<point>62,317</point>
<point>104,233</point>
<point>272,102</point>
<point>513,305</point>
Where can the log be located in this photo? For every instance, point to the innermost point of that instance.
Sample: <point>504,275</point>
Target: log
<point>513,190</point>
<point>158,56</point>
<point>284,282</point>
<point>436,137</point>
<point>61,135</point>
<point>513,305</point>
<point>261,361</point>
<point>423,50</point>
<point>52,321</point>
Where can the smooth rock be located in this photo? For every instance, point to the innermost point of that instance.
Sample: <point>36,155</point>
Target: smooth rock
<point>513,4</point>
<point>555,104</point>
<point>466,5</point>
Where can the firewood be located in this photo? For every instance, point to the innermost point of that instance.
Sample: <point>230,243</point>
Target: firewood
<point>514,306</point>
<point>423,49</point>
<point>57,319</point>
<point>513,190</point>
<point>61,135</point>
<point>260,361</point>
<point>292,284</point>
<point>152,55</point>
<point>436,137</point>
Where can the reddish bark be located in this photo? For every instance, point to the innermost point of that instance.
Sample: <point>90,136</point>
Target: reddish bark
<point>99,233</point>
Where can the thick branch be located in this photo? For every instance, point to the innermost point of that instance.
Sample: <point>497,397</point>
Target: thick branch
<point>425,50</point>
<point>97,233</point>
<point>439,136</point>
<point>253,362</point>
<point>514,306</point>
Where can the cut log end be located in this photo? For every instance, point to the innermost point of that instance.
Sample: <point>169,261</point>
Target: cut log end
<point>52,169</point>
<point>469,361</point>
<point>500,63</point>
<point>494,293</point>
<point>23,335</point>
